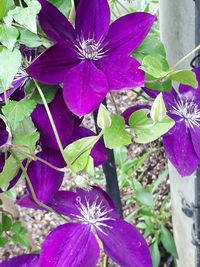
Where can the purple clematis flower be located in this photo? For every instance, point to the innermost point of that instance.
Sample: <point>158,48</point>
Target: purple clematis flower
<point>26,260</point>
<point>95,224</point>
<point>181,143</point>
<point>5,136</point>
<point>92,59</point>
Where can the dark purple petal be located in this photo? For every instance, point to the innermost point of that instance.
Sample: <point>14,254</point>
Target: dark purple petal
<point>124,244</point>
<point>65,202</point>
<point>98,152</point>
<point>128,32</point>
<point>195,135</point>
<point>45,180</point>
<point>70,245</point>
<point>63,118</point>
<point>85,87</point>
<point>128,112</point>
<point>150,92</point>
<point>92,19</point>
<point>122,72</point>
<point>2,161</point>
<point>50,67</point>
<point>98,196</point>
<point>54,23</point>
<point>26,260</point>
<point>4,134</point>
<point>179,149</point>
<point>28,202</point>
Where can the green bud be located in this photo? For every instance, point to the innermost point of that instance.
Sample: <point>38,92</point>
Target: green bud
<point>103,118</point>
<point>158,109</point>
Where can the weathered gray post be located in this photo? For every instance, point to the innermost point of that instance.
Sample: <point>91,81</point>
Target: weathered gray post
<point>177,18</point>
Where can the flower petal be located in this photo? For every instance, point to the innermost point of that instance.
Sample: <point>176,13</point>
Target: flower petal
<point>63,118</point>
<point>128,112</point>
<point>70,245</point>
<point>50,67</point>
<point>92,19</point>
<point>54,23</point>
<point>4,135</point>
<point>124,244</point>
<point>180,151</point>
<point>85,87</point>
<point>26,260</point>
<point>45,180</point>
<point>98,152</point>
<point>128,32</point>
<point>122,72</point>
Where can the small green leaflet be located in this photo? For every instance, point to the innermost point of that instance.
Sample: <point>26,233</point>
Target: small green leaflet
<point>15,112</point>
<point>10,170</point>
<point>155,253</point>
<point>77,154</point>
<point>145,129</point>
<point>26,16</point>
<point>6,5</point>
<point>8,36</point>
<point>116,135</point>
<point>168,242</point>
<point>29,39</point>
<point>10,64</point>
<point>187,77</point>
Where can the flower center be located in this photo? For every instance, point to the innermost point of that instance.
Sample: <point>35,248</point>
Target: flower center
<point>188,110</point>
<point>93,214</point>
<point>89,49</point>
<point>20,75</point>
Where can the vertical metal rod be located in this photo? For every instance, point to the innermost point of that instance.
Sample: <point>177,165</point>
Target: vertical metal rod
<point>109,167</point>
<point>197,179</point>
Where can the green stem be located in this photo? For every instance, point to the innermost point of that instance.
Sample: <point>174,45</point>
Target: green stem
<point>51,120</point>
<point>34,194</point>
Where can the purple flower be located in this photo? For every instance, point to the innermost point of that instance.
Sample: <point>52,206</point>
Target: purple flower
<point>5,136</point>
<point>95,224</point>
<point>92,59</point>
<point>26,260</point>
<point>181,143</point>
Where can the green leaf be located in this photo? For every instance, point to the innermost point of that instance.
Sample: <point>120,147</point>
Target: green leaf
<point>10,64</point>
<point>12,194</point>
<point>10,170</point>
<point>63,5</point>
<point>120,155</point>
<point>6,5</point>
<point>153,66</point>
<point>77,154</point>
<point>29,39</point>
<point>145,129</point>
<point>16,227</point>
<point>26,140</point>
<point>145,197</point>
<point>155,253</point>
<point>185,77</point>
<point>168,242</point>
<point>26,16</point>
<point>116,135</point>
<point>6,222</point>
<point>15,112</point>
<point>21,239</point>
<point>25,127</point>
<point>3,241</point>
<point>8,36</point>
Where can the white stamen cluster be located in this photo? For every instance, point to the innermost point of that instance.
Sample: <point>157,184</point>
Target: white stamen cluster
<point>20,74</point>
<point>89,49</point>
<point>93,214</point>
<point>188,110</point>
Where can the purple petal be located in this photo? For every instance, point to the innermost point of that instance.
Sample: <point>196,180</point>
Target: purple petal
<point>122,72</point>
<point>4,135</point>
<point>82,83</point>
<point>45,180</point>
<point>63,118</point>
<point>50,67</point>
<point>54,23</point>
<point>28,202</point>
<point>180,151</point>
<point>92,19</point>
<point>2,161</point>
<point>124,244</point>
<point>26,260</point>
<point>150,92</point>
<point>70,245</point>
<point>128,32</point>
<point>98,152</point>
<point>128,112</point>
<point>195,135</point>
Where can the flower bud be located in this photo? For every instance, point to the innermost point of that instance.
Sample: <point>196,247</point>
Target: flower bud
<point>158,109</point>
<point>103,118</point>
